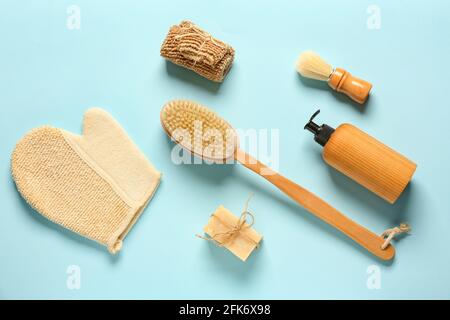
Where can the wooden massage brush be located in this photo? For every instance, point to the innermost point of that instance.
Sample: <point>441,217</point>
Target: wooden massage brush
<point>215,140</point>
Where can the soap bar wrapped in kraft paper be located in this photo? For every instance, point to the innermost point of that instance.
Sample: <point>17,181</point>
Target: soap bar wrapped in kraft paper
<point>193,48</point>
<point>232,232</point>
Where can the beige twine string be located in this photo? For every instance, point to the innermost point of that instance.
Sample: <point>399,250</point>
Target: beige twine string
<point>390,234</point>
<point>204,36</point>
<point>234,230</point>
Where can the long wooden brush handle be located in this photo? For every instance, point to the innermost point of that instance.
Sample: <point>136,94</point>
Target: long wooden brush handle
<point>319,208</point>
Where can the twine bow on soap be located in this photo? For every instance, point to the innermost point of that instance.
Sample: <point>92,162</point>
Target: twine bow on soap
<point>390,234</point>
<point>234,230</point>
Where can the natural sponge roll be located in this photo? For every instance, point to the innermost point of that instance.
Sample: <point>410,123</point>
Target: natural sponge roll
<point>191,47</point>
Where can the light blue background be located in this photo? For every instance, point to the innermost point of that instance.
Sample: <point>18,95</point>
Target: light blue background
<point>51,75</point>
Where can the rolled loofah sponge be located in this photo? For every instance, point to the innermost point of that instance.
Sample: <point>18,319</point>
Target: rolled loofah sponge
<point>96,185</point>
<point>189,46</point>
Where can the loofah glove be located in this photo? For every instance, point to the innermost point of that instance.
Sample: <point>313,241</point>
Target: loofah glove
<point>96,185</point>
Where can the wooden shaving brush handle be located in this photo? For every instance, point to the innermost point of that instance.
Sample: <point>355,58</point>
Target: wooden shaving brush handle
<point>357,89</point>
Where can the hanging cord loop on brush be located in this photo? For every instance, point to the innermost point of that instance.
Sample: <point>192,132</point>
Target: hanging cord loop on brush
<point>390,234</point>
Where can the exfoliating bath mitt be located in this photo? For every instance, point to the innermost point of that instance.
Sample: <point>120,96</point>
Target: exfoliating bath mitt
<point>96,184</point>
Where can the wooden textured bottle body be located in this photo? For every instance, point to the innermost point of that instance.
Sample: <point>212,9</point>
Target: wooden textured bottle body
<point>369,162</point>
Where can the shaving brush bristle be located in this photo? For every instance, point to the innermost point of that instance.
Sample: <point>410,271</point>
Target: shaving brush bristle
<point>198,129</point>
<point>311,65</point>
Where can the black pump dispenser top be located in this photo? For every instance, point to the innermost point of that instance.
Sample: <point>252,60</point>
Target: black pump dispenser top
<point>321,133</point>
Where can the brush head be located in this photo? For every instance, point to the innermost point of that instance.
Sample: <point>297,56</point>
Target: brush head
<point>199,130</point>
<point>310,65</point>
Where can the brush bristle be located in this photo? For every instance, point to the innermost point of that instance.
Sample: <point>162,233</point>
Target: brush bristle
<point>310,65</point>
<point>198,129</point>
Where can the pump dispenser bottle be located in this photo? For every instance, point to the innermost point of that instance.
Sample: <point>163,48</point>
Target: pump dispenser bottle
<point>363,159</point>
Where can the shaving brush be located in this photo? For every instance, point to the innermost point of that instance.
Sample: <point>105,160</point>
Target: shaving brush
<point>310,65</point>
